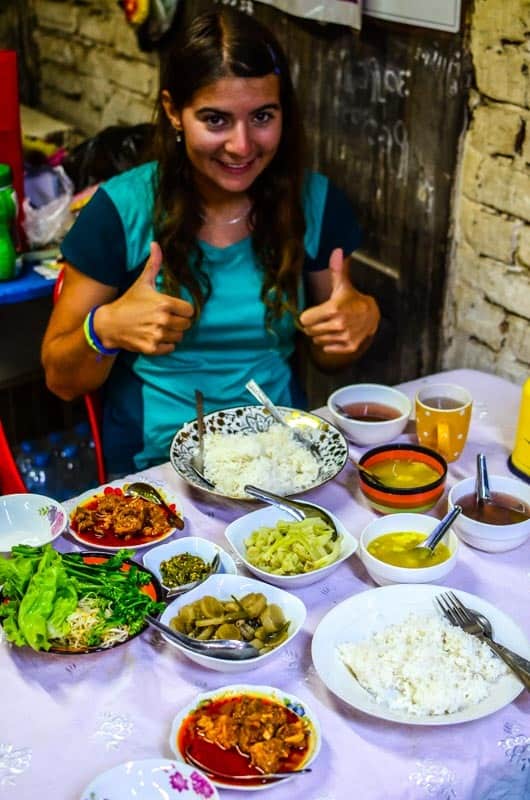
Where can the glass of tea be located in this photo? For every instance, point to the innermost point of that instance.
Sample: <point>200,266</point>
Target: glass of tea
<point>443,414</point>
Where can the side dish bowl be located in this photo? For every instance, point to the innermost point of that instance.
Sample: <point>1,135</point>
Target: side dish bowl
<point>486,536</point>
<point>333,449</point>
<point>239,530</point>
<point>390,499</point>
<point>195,546</point>
<point>31,519</point>
<point>384,574</point>
<point>390,407</point>
<point>226,587</point>
<point>202,702</point>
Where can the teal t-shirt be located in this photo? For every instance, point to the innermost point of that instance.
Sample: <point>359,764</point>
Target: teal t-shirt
<point>148,398</point>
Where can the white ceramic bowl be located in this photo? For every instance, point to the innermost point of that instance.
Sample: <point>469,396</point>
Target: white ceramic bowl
<point>270,693</point>
<point>385,574</point>
<point>370,433</point>
<point>31,519</point>
<point>223,587</point>
<point>194,545</point>
<point>483,536</point>
<point>241,528</point>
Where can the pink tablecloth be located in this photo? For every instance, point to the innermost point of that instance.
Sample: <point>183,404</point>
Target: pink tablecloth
<point>63,720</point>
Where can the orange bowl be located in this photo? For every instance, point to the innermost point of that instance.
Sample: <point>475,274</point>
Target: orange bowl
<point>390,500</point>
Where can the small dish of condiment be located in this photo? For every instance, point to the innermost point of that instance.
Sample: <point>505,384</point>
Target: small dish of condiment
<point>186,560</point>
<point>370,413</point>
<point>500,525</point>
<point>389,550</point>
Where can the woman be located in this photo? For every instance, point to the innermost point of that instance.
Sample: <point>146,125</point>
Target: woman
<point>191,270</point>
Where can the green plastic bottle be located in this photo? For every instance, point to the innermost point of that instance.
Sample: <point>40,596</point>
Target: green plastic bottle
<point>8,211</point>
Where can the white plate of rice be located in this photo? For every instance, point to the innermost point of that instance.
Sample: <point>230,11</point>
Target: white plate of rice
<point>379,652</point>
<point>245,445</point>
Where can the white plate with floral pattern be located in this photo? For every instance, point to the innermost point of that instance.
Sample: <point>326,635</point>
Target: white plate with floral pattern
<point>332,446</point>
<point>151,779</point>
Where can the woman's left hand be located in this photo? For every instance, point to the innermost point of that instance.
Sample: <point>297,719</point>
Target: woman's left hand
<point>347,320</point>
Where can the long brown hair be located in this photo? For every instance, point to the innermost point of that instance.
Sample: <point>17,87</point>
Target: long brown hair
<point>215,45</point>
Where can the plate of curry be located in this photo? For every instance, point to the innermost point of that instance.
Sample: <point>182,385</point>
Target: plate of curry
<point>241,734</point>
<point>110,520</point>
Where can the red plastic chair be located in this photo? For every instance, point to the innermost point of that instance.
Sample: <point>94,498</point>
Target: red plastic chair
<point>92,404</point>
<point>10,478</point>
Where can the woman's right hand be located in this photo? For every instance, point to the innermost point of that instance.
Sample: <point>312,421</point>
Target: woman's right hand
<point>144,320</point>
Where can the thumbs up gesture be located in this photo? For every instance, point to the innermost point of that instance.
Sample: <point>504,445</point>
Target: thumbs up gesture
<point>344,324</point>
<point>143,320</point>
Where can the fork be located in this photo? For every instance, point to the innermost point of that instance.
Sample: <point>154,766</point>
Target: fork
<point>463,617</point>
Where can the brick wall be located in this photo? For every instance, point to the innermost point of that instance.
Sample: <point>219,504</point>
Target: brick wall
<point>487,313</point>
<point>93,73</point>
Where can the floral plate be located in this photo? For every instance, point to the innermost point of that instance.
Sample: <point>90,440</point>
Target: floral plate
<point>331,444</point>
<point>151,779</point>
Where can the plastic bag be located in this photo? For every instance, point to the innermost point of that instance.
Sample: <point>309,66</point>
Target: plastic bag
<point>52,218</point>
<point>111,151</point>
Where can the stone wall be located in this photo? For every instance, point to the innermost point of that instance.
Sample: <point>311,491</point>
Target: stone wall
<point>487,314</point>
<point>93,73</point>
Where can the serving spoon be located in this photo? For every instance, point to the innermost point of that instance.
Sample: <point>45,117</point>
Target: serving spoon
<point>230,649</point>
<point>196,462</point>
<point>296,508</point>
<point>483,493</point>
<point>148,492</point>
<point>439,532</point>
<point>368,473</point>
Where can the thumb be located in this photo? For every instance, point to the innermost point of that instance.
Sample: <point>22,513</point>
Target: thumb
<point>339,271</point>
<point>152,265</point>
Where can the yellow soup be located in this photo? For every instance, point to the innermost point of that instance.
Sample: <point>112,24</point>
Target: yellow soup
<point>404,473</point>
<point>398,549</point>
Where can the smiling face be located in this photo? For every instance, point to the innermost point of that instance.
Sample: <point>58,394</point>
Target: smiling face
<point>232,129</point>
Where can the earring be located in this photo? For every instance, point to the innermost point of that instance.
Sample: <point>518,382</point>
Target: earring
<point>178,135</point>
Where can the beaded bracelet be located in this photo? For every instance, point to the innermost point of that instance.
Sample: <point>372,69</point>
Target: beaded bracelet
<point>93,339</point>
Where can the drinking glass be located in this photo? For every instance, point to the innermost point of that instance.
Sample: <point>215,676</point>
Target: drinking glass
<point>443,414</point>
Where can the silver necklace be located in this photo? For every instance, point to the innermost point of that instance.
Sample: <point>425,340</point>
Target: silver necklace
<point>232,221</point>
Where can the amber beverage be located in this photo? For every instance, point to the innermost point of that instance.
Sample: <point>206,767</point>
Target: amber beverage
<point>443,414</point>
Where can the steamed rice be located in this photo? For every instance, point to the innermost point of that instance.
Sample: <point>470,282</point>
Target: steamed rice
<point>424,666</point>
<point>272,460</point>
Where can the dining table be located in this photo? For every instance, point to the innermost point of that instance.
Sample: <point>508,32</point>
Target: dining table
<point>64,719</point>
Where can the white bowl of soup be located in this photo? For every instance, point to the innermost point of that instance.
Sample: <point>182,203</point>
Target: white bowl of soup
<point>493,529</point>
<point>387,550</point>
<point>370,413</point>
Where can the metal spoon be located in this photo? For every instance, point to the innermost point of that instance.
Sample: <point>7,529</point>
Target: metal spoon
<point>148,492</point>
<point>175,591</point>
<point>483,494</point>
<point>257,392</point>
<point>230,649</point>
<point>439,532</point>
<point>485,624</point>
<point>196,462</point>
<point>368,473</point>
<point>296,508</point>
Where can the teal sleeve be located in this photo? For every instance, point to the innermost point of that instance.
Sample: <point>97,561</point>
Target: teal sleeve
<point>340,228</point>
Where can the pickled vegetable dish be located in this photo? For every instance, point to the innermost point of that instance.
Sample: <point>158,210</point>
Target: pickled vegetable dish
<point>183,568</point>
<point>292,548</point>
<point>245,735</point>
<point>400,550</point>
<point>249,618</point>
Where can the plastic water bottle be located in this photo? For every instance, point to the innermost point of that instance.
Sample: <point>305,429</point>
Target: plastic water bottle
<point>37,478</point>
<point>88,476</point>
<point>8,212</point>
<point>24,459</point>
<point>68,478</point>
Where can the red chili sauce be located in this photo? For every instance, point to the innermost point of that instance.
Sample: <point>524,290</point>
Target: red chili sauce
<point>232,761</point>
<point>109,538</point>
